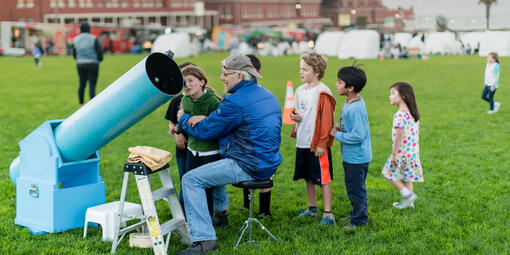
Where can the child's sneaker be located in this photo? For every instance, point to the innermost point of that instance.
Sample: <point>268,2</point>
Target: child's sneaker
<point>327,221</point>
<point>412,206</point>
<point>496,106</point>
<point>406,201</point>
<point>307,213</point>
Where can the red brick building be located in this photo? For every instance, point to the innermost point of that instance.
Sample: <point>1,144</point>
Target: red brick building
<point>162,13</point>
<point>376,15</point>
<point>268,12</point>
<point>155,13</point>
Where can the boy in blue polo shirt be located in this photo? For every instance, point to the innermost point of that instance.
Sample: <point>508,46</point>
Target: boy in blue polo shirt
<point>354,135</point>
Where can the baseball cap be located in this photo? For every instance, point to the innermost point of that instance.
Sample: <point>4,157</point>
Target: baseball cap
<point>239,62</point>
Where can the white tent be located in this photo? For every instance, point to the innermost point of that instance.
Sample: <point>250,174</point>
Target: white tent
<point>359,44</point>
<point>472,39</point>
<point>328,43</point>
<point>495,41</point>
<point>403,39</point>
<point>442,43</point>
<point>415,44</point>
<point>179,43</point>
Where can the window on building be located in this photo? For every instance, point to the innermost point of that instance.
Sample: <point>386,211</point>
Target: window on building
<point>71,3</point>
<point>81,3</point>
<point>176,3</point>
<point>90,4</point>
<point>148,3</point>
<point>21,4</point>
<point>124,3</point>
<point>159,3</point>
<point>225,12</point>
<point>30,3</point>
<point>272,11</point>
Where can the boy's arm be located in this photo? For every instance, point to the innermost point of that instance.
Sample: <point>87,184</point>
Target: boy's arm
<point>358,132</point>
<point>327,120</point>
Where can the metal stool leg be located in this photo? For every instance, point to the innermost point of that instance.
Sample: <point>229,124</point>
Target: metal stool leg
<point>248,224</point>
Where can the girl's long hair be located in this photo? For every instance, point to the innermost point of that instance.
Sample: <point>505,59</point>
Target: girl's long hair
<point>405,90</point>
<point>495,56</point>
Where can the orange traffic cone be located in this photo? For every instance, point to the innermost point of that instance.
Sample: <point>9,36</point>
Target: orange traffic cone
<point>289,104</point>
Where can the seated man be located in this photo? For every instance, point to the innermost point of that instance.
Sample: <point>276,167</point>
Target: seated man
<point>247,124</point>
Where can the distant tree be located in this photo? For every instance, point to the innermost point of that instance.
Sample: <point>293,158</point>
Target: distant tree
<point>441,23</point>
<point>488,4</point>
<point>361,21</point>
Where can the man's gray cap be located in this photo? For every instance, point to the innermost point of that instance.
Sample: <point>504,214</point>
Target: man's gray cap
<point>239,62</point>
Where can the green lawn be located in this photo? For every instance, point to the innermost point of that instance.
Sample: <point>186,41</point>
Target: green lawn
<point>462,206</point>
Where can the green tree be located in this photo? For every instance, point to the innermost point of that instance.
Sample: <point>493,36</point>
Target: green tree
<point>441,23</point>
<point>361,21</point>
<point>488,4</point>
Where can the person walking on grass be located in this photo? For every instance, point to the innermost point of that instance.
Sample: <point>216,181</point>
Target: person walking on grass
<point>492,73</point>
<point>37,53</point>
<point>314,118</point>
<point>403,167</point>
<point>87,52</point>
<point>353,133</point>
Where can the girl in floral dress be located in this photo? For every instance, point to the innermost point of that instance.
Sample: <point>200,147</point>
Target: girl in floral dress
<point>403,167</point>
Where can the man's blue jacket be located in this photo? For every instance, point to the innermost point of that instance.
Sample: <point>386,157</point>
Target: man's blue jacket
<point>248,126</point>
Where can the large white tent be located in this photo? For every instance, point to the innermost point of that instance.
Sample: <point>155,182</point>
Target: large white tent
<point>328,43</point>
<point>495,41</point>
<point>442,43</point>
<point>473,39</point>
<point>415,44</point>
<point>179,43</point>
<point>403,39</point>
<point>359,44</point>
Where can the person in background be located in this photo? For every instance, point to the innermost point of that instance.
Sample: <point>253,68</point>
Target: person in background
<point>492,73</point>
<point>37,53</point>
<point>88,54</point>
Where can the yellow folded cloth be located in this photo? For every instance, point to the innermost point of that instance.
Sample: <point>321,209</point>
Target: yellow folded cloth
<point>154,158</point>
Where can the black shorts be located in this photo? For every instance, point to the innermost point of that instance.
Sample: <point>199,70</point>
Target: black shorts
<point>319,170</point>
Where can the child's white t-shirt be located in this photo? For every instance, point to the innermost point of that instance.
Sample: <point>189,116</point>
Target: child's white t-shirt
<point>304,108</point>
<point>491,75</point>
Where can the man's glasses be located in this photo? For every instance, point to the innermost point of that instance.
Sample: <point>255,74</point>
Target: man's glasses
<point>227,74</point>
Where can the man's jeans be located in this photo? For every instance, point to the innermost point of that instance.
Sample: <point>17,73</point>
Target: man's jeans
<point>216,174</point>
<point>488,96</point>
<point>355,176</point>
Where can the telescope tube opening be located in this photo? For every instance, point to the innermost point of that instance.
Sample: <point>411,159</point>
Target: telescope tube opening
<point>164,74</point>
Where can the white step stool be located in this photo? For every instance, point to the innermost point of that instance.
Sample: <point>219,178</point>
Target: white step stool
<point>106,215</point>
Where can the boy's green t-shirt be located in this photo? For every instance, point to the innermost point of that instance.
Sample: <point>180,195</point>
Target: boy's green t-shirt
<point>207,103</point>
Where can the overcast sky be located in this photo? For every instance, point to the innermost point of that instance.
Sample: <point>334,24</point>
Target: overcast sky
<point>462,14</point>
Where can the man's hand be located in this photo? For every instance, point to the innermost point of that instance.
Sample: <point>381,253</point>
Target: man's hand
<point>171,129</point>
<point>492,90</point>
<point>319,151</point>
<point>180,141</point>
<point>295,116</point>
<point>195,119</point>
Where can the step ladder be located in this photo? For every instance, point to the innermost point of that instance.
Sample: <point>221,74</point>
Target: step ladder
<point>149,220</point>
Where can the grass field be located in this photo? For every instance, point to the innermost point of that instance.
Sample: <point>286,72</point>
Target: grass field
<point>463,205</point>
